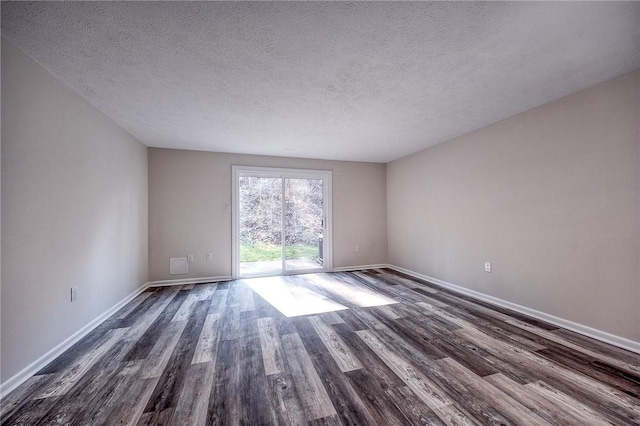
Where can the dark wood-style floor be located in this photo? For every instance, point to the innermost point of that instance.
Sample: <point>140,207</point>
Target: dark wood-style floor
<point>221,354</point>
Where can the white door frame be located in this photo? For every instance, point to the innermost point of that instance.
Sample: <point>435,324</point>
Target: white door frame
<point>325,175</point>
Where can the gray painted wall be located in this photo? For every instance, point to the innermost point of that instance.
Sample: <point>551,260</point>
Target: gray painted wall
<point>189,189</point>
<point>550,196</point>
<point>74,212</point>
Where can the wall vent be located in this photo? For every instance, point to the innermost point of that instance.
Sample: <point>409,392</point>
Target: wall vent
<point>178,265</point>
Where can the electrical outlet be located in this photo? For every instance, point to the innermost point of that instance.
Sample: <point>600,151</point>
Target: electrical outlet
<point>74,294</point>
<point>487,266</point>
<point>227,208</point>
<point>209,256</point>
<point>189,258</point>
<point>357,249</point>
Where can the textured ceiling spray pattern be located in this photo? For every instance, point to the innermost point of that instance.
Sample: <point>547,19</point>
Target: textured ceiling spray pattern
<point>349,81</point>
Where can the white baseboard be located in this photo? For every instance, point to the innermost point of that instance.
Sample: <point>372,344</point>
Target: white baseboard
<point>360,267</point>
<point>202,280</point>
<point>594,333</point>
<point>37,365</point>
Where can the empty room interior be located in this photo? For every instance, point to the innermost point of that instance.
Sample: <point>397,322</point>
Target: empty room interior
<point>322,213</point>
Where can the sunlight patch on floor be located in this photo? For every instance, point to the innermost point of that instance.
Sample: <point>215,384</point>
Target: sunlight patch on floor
<point>290,299</point>
<point>352,291</point>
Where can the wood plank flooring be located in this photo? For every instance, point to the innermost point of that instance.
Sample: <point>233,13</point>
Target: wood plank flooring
<point>389,351</point>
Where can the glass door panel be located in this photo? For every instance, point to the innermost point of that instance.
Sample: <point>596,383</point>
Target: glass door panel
<point>303,224</point>
<point>260,225</point>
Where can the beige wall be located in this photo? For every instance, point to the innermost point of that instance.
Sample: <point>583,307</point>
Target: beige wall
<point>550,196</point>
<point>74,212</point>
<point>188,191</point>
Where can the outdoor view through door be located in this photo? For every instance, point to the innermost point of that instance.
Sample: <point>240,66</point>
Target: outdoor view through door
<point>280,222</point>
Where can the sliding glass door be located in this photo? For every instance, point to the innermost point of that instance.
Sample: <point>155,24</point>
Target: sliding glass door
<point>281,221</point>
<point>303,224</point>
<point>260,229</point>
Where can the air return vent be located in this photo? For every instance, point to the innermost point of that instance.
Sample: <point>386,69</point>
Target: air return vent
<point>178,265</point>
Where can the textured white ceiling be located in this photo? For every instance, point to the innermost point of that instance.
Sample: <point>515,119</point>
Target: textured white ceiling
<point>347,81</point>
